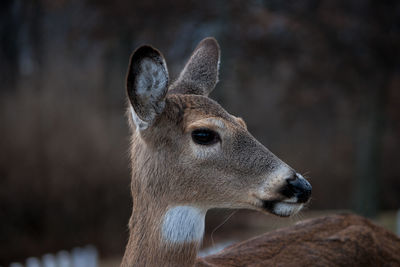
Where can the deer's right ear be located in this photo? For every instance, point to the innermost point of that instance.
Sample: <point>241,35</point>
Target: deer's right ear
<point>147,85</point>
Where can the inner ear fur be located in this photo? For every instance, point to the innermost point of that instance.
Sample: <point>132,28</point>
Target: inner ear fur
<point>147,85</point>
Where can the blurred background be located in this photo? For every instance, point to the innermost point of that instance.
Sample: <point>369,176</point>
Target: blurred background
<point>318,83</point>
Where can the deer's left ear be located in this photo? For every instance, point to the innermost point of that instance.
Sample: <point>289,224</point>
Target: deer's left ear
<point>200,74</point>
<point>147,85</point>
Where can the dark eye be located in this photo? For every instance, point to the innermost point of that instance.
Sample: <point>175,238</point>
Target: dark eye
<point>205,137</point>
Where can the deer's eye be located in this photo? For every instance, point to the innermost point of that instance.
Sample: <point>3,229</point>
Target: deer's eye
<point>205,137</point>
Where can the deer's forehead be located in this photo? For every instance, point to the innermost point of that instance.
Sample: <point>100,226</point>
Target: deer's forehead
<point>192,108</point>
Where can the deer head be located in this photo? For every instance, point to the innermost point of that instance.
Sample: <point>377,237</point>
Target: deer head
<point>190,155</point>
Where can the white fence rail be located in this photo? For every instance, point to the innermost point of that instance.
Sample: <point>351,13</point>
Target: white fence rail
<point>78,257</point>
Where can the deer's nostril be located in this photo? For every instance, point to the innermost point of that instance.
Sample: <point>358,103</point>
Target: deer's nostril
<point>297,187</point>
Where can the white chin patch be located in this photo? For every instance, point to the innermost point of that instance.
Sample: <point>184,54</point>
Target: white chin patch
<point>286,209</point>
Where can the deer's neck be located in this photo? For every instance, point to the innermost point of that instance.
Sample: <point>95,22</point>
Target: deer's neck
<point>161,233</point>
<point>169,236</point>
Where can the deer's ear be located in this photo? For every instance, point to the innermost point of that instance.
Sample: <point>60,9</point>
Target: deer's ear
<point>200,74</point>
<point>147,85</point>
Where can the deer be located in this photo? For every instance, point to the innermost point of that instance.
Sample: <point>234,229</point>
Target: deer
<point>189,155</point>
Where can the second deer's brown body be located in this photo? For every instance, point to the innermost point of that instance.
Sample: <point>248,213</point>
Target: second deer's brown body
<point>335,240</point>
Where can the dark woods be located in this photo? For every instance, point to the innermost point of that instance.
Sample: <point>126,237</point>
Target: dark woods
<point>316,81</point>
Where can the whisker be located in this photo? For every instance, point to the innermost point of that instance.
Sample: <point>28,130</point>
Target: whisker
<point>219,226</point>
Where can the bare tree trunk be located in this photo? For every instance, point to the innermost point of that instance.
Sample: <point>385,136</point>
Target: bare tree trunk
<point>369,148</point>
<point>31,43</point>
<point>9,29</point>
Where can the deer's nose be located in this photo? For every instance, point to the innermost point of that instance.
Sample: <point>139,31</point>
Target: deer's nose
<point>297,186</point>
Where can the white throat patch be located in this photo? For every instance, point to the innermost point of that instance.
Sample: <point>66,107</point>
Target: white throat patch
<point>183,224</point>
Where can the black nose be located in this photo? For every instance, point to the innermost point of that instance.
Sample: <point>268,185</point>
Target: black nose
<point>297,187</point>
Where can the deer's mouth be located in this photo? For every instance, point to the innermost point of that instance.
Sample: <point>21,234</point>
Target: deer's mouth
<point>281,208</point>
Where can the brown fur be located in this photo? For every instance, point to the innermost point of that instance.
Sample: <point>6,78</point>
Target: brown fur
<point>335,240</point>
<point>158,175</point>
